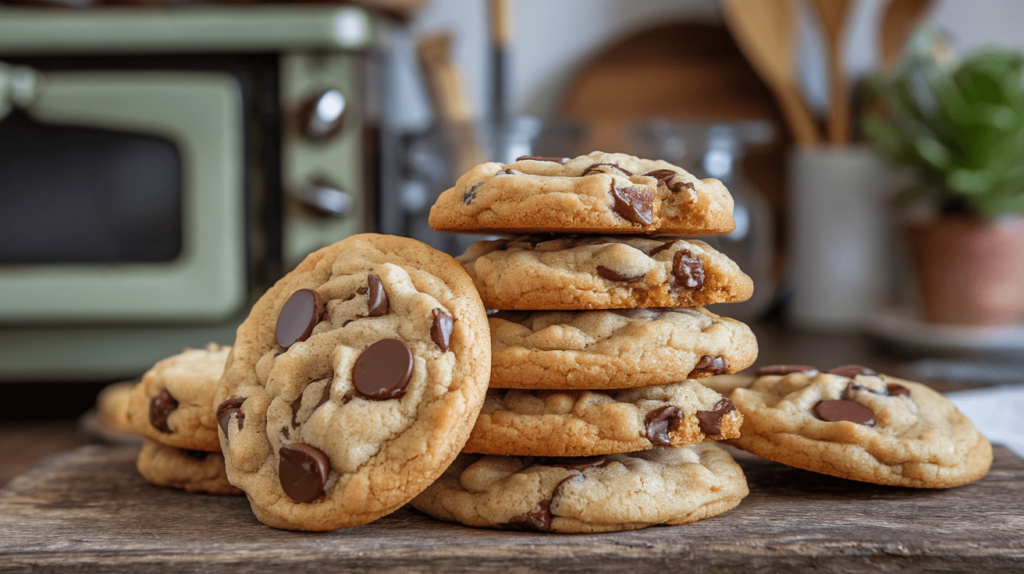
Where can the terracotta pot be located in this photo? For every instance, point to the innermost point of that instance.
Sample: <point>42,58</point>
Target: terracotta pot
<point>970,272</point>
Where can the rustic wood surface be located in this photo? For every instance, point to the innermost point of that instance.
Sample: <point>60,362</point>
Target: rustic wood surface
<point>87,510</point>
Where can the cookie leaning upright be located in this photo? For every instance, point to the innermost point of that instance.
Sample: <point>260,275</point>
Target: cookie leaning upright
<point>354,383</point>
<point>595,193</point>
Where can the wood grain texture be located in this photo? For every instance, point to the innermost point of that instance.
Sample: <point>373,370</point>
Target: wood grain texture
<point>89,511</point>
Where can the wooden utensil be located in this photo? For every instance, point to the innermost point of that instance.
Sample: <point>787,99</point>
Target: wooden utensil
<point>766,32</point>
<point>833,15</point>
<point>901,16</point>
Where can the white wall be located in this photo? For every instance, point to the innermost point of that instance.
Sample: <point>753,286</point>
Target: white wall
<point>551,37</point>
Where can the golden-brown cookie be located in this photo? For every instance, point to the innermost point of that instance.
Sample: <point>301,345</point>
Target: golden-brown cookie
<point>596,193</point>
<point>664,485</point>
<point>191,470</point>
<point>578,272</point>
<point>588,423</point>
<point>353,383</point>
<point>856,424</point>
<point>173,404</point>
<point>614,349</point>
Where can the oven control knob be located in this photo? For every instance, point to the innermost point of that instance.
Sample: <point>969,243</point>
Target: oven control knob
<point>324,197</point>
<point>321,115</point>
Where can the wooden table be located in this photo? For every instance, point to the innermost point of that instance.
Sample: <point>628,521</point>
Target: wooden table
<point>88,510</point>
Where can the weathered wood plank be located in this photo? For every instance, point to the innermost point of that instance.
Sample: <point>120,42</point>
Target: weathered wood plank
<point>88,511</point>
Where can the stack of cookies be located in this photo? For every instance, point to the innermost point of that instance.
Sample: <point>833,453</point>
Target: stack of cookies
<point>172,408</point>
<point>594,420</point>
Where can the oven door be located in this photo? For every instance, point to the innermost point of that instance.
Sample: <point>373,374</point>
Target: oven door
<point>121,197</point>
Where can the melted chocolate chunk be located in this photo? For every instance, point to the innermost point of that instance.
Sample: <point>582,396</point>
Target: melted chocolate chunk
<point>707,364</point>
<point>232,406</point>
<point>539,521</point>
<point>843,410</point>
<point>711,421</point>
<point>325,396</point>
<point>572,462</point>
<point>377,299</point>
<point>470,195</point>
<point>303,310</point>
<point>782,370</point>
<point>851,371</point>
<point>596,168</point>
<point>199,455</point>
<point>383,370</point>
<point>666,245</point>
<point>441,329</point>
<point>561,160</point>
<point>895,390</point>
<point>615,276</point>
<point>688,271</point>
<point>660,422</point>
<point>160,408</point>
<point>633,205</point>
<point>296,405</point>
<point>303,472</point>
<point>509,171</point>
<point>665,177</point>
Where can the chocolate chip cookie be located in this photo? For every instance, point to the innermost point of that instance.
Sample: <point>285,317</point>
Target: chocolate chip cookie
<point>191,470</point>
<point>596,193</point>
<point>602,272</point>
<point>854,423</point>
<point>586,423</point>
<point>664,485</point>
<point>173,404</point>
<point>354,383</point>
<point>614,349</point>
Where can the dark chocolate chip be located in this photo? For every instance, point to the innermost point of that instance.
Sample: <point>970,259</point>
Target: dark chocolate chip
<point>232,406</point>
<point>383,370</point>
<point>894,389</point>
<point>782,370</point>
<point>596,168</point>
<point>303,310</point>
<point>665,177</point>
<point>441,329</point>
<point>296,405</point>
<point>660,422</point>
<point>539,521</point>
<point>470,195</point>
<point>160,408</point>
<point>632,204</point>
<point>196,454</point>
<point>561,160</point>
<point>509,171</point>
<point>843,410</point>
<point>325,396</point>
<point>711,421</point>
<point>851,371</point>
<point>303,472</point>
<point>666,245</point>
<point>615,276</point>
<point>708,365</point>
<point>377,298</point>
<point>572,462</point>
<point>688,271</point>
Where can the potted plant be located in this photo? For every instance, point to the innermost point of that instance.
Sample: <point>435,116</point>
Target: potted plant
<point>959,127</point>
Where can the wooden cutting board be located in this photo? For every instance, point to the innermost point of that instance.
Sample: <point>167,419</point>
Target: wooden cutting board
<point>88,510</point>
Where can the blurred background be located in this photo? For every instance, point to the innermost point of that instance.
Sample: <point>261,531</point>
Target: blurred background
<point>162,162</point>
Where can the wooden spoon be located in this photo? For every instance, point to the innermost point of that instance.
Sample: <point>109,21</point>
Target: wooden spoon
<point>833,14</point>
<point>765,31</point>
<point>900,18</point>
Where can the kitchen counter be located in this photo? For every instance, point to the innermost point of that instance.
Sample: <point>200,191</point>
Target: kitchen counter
<point>88,510</point>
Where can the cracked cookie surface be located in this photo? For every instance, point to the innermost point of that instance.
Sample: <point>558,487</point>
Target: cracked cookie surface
<point>190,470</point>
<point>354,382</point>
<point>602,272</point>
<point>664,485</point>
<point>173,403</point>
<point>588,423</point>
<point>856,424</point>
<point>595,193</point>
<point>614,349</point>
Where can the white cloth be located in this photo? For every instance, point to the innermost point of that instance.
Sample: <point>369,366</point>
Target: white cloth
<point>998,412</point>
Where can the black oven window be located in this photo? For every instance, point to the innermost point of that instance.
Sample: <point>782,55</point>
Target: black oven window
<point>71,194</point>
